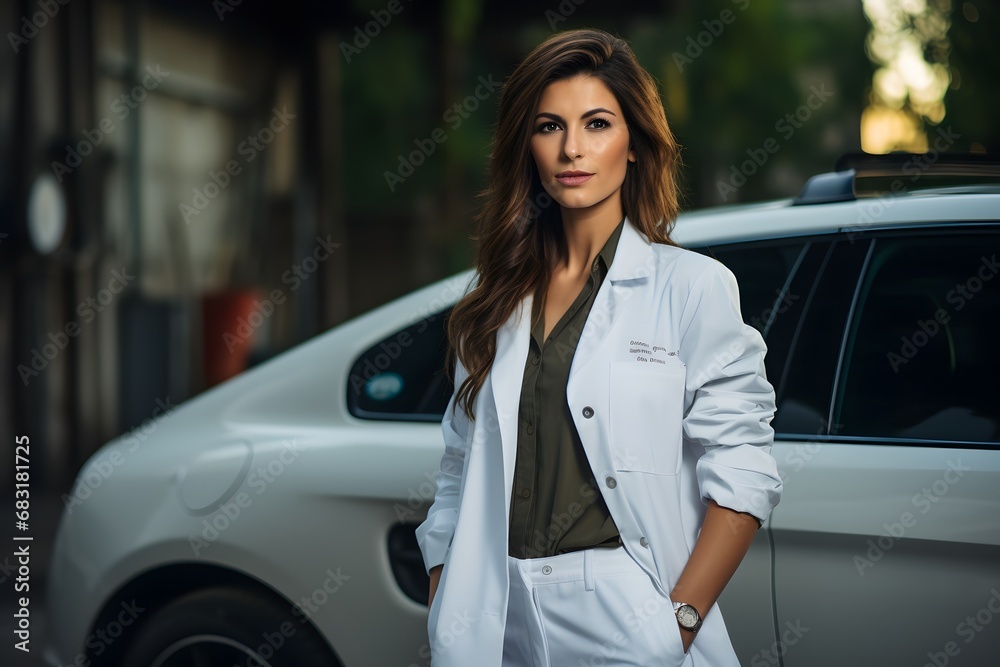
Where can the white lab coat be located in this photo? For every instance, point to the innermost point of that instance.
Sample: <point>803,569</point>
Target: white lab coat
<point>679,412</point>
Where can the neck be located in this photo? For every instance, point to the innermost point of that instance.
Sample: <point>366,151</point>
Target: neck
<point>586,231</point>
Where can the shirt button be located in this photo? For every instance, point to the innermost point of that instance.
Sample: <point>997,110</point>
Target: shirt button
<point>546,569</point>
<point>530,429</point>
<point>525,493</point>
<point>588,412</point>
<point>611,482</point>
<point>644,542</point>
<point>534,360</point>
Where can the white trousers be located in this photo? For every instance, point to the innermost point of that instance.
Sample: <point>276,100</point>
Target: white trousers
<point>589,608</point>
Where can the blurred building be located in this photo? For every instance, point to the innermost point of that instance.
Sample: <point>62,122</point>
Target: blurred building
<point>168,169</point>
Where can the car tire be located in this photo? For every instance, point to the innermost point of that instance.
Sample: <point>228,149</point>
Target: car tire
<point>227,627</point>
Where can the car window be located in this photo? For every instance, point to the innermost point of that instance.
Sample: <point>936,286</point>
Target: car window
<point>763,272</point>
<point>921,359</point>
<point>401,377</point>
<point>775,281</point>
<point>804,386</point>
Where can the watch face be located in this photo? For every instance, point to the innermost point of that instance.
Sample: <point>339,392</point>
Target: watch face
<point>688,616</point>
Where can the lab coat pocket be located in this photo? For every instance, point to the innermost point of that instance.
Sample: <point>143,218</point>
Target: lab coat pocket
<point>647,406</point>
<point>672,635</point>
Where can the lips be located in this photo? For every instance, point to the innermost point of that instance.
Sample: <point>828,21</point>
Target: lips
<point>573,177</point>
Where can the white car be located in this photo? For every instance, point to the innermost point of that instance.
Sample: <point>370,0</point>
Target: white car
<point>270,520</point>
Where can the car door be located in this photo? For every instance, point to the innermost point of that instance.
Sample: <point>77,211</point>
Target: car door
<point>773,278</point>
<point>887,539</point>
<point>397,392</point>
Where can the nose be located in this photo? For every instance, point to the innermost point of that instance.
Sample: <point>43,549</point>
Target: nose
<point>573,146</point>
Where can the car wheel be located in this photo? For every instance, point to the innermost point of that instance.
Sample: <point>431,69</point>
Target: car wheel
<point>227,627</point>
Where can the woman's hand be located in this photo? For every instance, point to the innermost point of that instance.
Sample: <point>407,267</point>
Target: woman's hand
<point>686,637</point>
<point>435,574</point>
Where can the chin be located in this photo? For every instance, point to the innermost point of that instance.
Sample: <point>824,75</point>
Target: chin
<point>578,201</point>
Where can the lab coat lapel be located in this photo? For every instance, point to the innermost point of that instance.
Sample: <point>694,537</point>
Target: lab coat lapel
<point>506,375</point>
<point>630,268</point>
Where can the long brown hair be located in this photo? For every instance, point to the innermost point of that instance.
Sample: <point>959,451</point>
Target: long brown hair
<point>520,230</point>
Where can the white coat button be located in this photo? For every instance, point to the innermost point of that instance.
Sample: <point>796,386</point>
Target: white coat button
<point>644,542</point>
<point>611,482</point>
<point>546,569</point>
<point>588,412</point>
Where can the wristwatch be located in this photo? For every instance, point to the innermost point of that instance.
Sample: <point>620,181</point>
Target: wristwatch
<point>687,616</point>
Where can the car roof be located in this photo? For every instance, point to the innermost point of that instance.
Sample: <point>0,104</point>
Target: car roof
<point>786,218</point>
<point>782,219</point>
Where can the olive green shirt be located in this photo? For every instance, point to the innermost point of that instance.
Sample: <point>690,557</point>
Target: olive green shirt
<point>556,504</point>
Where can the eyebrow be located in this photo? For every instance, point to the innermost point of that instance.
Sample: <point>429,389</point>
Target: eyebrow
<point>586,115</point>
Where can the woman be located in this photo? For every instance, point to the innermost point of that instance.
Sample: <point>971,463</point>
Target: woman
<point>607,448</point>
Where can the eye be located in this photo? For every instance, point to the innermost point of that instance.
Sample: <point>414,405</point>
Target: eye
<point>541,128</point>
<point>604,123</point>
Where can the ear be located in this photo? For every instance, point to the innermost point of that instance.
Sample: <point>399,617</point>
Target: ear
<point>631,153</point>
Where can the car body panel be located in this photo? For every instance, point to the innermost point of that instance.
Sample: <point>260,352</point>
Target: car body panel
<point>880,530</point>
<point>351,480</point>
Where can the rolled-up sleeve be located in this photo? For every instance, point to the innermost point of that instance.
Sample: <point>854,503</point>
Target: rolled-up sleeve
<point>434,535</point>
<point>733,403</point>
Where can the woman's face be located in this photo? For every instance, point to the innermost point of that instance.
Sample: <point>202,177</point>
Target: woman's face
<point>579,127</point>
